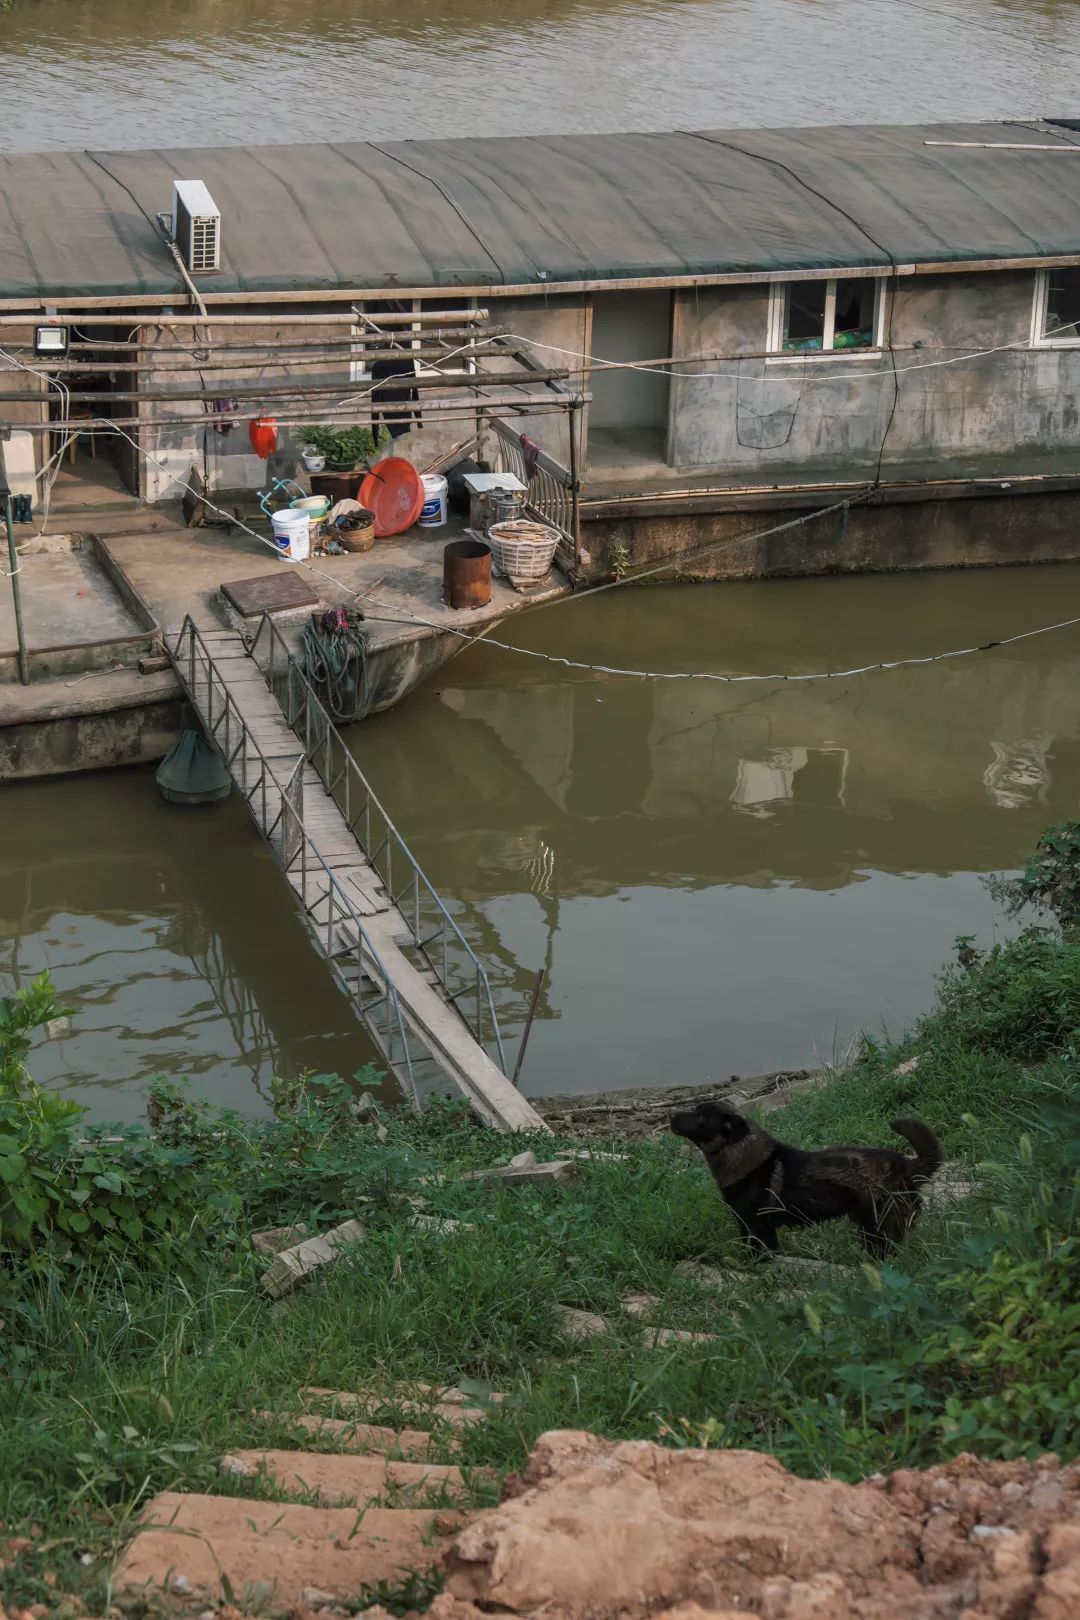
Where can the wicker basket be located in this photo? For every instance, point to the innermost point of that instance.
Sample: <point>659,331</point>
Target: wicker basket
<point>354,529</point>
<point>523,550</point>
<point>358,539</point>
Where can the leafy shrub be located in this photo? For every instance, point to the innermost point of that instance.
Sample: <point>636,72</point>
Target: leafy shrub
<point>348,446</point>
<point>71,1194</point>
<point>66,1195</point>
<point>1022,999</point>
<point>1019,1344</point>
<point>1051,879</point>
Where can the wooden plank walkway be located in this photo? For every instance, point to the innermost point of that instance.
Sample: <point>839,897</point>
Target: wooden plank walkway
<point>350,917</point>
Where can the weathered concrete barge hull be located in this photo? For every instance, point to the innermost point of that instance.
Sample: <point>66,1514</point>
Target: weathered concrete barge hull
<point>101,722</point>
<point>393,669</point>
<point>894,529</point>
<point>124,718</point>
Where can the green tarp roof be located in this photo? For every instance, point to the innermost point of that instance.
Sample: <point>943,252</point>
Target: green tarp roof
<point>542,209</point>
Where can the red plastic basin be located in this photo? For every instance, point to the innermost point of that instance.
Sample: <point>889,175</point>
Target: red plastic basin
<point>394,492</point>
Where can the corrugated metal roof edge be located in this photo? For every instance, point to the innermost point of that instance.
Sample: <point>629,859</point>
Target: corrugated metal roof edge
<point>271,289</point>
<point>278,288</point>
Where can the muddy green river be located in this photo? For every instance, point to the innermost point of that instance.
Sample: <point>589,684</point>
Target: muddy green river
<point>188,73</point>
<point>718,879</point>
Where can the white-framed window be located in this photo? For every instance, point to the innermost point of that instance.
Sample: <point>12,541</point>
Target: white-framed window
<point>835,315</point>
<point>410,337</point>
<point>1055,319</point>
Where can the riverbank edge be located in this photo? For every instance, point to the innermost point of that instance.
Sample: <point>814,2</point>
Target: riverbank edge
<point>642,1111</point>
<point>499,1281</point>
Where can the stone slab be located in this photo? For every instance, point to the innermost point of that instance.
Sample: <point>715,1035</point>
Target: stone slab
<point>336,1479</point>
<point>269,593</point>
<point>268,1552</point>
<point>291,1266</point>
<point>356,1436</point>
<point>364,1402</point>
<point>526,1167</point>
<point>277,1238</point>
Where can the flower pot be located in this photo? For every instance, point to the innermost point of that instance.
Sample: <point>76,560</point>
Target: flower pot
<point>340,466</point>
<point>313,463</point>
<point>338,486</point>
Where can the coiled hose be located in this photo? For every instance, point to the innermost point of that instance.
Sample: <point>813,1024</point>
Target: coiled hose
<point>335,661</point>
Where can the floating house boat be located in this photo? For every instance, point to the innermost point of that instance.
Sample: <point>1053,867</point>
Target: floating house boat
<point>692,330</point>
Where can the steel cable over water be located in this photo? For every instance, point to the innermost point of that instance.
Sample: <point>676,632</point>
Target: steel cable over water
<point>397,616</point>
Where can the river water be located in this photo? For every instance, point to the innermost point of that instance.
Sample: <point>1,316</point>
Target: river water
<point>718,879</point>
<point>114,73</point>
<point>725,879</point>
<point>170,937</point>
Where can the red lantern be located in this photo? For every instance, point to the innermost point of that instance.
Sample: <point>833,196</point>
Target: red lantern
<point>263,435</point>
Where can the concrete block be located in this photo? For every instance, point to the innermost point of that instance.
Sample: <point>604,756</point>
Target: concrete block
<point>354,1435</point>
<point>278,1238</point>
<point>270,1551</point>
<point>338,1478</point>
<point>291,1266</point>
<point>582,1324</point>
<point>525,1168</point>
<point>439,1225</point>
<point>458,1412</point>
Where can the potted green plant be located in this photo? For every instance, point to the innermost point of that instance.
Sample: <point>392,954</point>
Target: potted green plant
<point>346,448</point>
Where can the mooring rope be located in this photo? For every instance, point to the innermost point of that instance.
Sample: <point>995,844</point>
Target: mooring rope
<point>335,661</point>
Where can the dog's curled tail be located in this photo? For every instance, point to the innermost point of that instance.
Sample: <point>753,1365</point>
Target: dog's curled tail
<point>929,1153</point>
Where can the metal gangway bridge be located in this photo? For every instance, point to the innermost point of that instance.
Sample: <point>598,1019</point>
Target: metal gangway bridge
<point>387,936</point>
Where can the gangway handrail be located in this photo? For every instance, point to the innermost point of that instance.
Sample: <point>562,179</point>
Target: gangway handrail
<point>190,639</point>
<point>305,707</point>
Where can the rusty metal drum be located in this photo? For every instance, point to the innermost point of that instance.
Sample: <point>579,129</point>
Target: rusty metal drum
<point>466,574</point>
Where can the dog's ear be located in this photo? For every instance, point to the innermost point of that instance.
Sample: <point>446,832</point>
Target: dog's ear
<point>717,1119</point>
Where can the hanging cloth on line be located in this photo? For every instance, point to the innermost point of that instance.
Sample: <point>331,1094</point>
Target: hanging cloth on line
<point>399,422</point>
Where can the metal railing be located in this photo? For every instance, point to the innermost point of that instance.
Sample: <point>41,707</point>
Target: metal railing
<point>277,809</point>
<point>551,496</point>
<point>435,934</point>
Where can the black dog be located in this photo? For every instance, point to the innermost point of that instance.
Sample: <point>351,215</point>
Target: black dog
<point>769,1184</point>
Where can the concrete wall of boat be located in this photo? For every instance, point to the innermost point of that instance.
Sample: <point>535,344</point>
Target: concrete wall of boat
<point>902,370</point>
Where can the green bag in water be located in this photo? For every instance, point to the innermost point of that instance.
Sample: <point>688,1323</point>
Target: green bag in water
<point>192,772</point>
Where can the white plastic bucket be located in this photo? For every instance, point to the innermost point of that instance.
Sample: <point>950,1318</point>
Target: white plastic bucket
<point>292,534</point>
<point>433,515</point>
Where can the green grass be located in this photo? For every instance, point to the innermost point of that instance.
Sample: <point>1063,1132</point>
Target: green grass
<point>116,1382</point>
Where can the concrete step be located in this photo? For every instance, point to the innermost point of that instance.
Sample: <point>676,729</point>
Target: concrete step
<point>458,1413</point>
<point>267,1554</point>
<point>336,1479</point>
<point>578,1324</point>
<point>353,1435</point>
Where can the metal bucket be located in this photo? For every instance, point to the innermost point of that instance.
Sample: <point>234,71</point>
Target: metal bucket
<point>503,505</point>
<point>466,574</point>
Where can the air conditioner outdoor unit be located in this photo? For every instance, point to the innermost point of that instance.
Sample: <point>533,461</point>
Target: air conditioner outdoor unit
<point>196,226</point>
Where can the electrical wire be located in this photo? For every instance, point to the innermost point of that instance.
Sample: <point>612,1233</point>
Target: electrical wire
<point>728,679</point>
<point>811,364</point>
<point>65,438</point>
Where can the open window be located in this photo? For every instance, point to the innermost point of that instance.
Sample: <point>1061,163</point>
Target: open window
<point>1056,319</point>
<point>410,339</point>
<point>404,355</point>
<point>830,316</point>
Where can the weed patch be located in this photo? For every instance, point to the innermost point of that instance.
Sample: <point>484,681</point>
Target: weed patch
<point>135,1351</point>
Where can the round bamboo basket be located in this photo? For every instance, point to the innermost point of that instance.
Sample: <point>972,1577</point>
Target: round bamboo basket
<point>358,538</point>
<point>523,550</point>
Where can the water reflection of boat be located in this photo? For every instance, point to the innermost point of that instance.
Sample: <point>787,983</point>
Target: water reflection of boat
<point>611,785</point>
<point>155,894</point>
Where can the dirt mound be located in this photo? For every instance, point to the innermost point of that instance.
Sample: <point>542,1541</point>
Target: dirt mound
<point>601,1530</point>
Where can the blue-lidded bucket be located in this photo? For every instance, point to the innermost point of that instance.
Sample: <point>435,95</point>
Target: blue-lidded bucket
<point>433,515</point>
